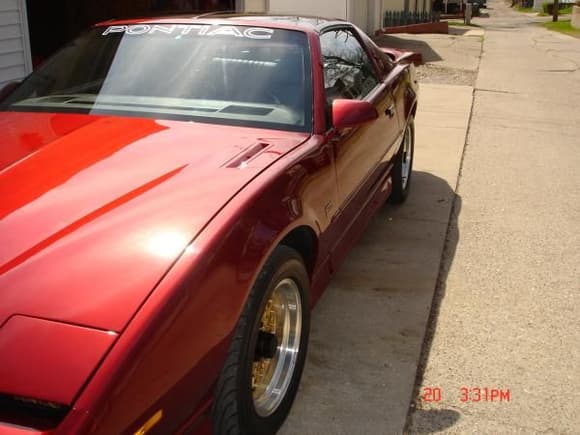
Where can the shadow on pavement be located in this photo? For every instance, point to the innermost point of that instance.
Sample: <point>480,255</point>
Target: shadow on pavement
<point>368,329</point>
<point>434,420</point>
<point>458,30</point>
<point>428,54</point>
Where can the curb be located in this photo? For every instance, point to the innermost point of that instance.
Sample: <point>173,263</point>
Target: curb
<point>439,27</point>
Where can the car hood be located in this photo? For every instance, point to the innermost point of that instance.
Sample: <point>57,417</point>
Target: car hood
<point>95,209</point>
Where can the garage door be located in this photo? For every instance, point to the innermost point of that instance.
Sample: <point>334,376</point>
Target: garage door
<point>15,60</point>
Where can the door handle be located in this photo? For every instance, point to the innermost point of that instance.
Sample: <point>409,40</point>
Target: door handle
<point>390,112</point>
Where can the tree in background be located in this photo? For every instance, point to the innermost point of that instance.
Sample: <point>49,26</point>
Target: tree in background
<point>555,10</point>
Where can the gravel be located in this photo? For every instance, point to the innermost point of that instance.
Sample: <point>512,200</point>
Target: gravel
<point>429,73</point>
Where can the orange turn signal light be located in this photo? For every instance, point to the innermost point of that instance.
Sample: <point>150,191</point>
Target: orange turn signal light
<point>155,418</point>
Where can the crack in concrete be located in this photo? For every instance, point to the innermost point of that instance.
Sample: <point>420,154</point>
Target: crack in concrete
<point>531,121</point>
<point>434,221</point>
<point>550,51</point>
<point>495,91</point>
<point>560,70</point>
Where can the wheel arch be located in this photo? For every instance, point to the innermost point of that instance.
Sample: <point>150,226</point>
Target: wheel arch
<point>304,240</point>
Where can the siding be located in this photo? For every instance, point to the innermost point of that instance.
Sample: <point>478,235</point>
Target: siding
<point>254,5</point>
<point>359,14</point>
<point>363,13</point>
<point>15,60</point>
<point>393,5</point>
<point>324,8</point>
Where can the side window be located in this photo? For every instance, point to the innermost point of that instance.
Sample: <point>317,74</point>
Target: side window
<point>348,71</point>
<point>382,59</point>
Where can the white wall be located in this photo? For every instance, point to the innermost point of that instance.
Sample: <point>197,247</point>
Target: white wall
<point>375,15</point>
<point>393,5</point>
<point>15,60</point>
<point>358,13</point>
<point>366,14</point>
<point>254,5</point>
<point>323,8</point>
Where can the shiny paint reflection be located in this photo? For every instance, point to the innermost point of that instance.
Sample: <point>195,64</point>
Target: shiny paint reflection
<point>80,211</point>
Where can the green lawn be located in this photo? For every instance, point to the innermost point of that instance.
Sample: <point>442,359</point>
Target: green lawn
<point>565,11</point>
<point>562,26</point>
<point>522,9</point>
<point>461,24</point>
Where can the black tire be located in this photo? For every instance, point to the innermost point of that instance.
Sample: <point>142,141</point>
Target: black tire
<point>401,185</point>
<point>234,411</point>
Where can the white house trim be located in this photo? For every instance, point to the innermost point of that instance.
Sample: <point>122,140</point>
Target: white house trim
<point>15,58</point>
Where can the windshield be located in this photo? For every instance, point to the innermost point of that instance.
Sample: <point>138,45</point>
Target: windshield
<point>236,75</point>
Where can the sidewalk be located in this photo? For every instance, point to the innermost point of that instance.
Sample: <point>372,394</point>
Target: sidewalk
<point>368,329</point>
<point>507,311</point>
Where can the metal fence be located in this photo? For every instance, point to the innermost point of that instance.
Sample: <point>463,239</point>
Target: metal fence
<point>402,18</point>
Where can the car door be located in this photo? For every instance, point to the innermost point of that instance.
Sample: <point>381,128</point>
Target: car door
<point>362,154</point>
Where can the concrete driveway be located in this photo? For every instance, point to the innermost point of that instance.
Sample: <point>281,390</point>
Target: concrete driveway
<point>368,329</point>
<point>507,313</point>
<point>469,324</point>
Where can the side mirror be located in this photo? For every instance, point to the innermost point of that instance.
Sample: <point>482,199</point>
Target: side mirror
<point>8,89</point>
<point>352,113</point>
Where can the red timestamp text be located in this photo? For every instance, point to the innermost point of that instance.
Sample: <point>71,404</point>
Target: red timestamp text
<point>468,394</point>
<point>477,394</point>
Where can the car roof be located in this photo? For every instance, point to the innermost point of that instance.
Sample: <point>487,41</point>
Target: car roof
<point>306,23</point>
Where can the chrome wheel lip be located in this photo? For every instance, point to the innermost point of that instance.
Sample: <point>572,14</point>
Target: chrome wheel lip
<point>268,397</point>
<point>407,155</point>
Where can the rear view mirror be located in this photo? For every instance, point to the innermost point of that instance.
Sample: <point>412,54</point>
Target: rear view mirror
<point>8,89</point>
<point>352,113</point>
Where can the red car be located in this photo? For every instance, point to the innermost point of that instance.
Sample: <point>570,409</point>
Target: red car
<point>175,194</point>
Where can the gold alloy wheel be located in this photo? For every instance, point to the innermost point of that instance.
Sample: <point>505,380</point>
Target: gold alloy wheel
<point>277,347</point>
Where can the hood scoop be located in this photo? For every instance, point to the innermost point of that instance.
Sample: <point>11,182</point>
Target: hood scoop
<point>247,110</point>
<point>242,159</point>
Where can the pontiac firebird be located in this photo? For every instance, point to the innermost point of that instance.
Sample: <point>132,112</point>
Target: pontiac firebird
<point>175,194</point>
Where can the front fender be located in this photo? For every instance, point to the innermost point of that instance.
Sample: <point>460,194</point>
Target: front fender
<point>176,344</point>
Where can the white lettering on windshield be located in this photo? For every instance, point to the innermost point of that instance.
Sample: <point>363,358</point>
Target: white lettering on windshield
<point>168,30</point>
<point>195,29</point>
<point>226,31</point>
<point>258,33</point>
<point>138,30</point>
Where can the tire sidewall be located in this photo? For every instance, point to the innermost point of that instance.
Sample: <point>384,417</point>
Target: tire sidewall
<point>285,263</point>
<point>399,193</point>
<point>411,130</point>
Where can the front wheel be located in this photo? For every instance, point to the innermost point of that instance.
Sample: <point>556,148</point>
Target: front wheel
<point>262,371</point>
<point>403,168</point>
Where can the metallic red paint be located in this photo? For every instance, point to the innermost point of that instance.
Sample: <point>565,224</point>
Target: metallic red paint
<point>140,227</point>
<point>352,113</point>
<point>32,363</point>
<point>77,188</point>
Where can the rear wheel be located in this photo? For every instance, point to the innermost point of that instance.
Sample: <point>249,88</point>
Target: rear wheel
<point>403,167</point>
<point>260,378</point>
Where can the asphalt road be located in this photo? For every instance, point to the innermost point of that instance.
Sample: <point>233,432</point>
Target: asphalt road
<point>507,311</point>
